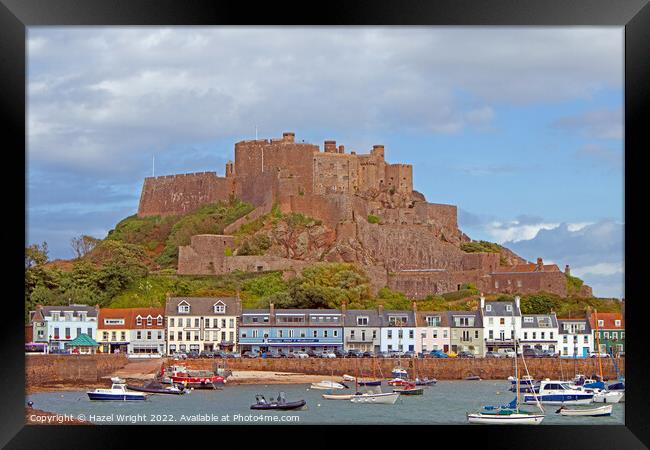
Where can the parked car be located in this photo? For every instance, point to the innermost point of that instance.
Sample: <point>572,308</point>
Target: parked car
<point>532,353</point>
<point>207,354</point>
<point>383,355</point>
<point>494,355</point>
<point>508,352</point>
<point>369,355</point>
<point>177,356</point>
<point>409,354</point>
<point>549,354</point>
<point>234,355</point>
<point>396,354</point>
<point>452,354</point>
<point>220,354</point>
<point>313,353</point>
<point>192,354</point>
<point>465,354</point>
<point>353,353</point>
<point>251,354</point>
<point>339,353</point>
<point>301,355</point>
<point>283,354</point>
<point>595,355</point>
<point>327,355</point>
<point>438,354</point>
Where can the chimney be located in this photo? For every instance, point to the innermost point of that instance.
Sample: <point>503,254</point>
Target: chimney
<point>271,313</point>
<point>330,146</point>
<point>381,309</point>
<point>482,301</point>
<point>540,264</point>
<point>415,307</point>
<point>517,301</point>
<point>567,270</point>
<point>289,136</point>
<point>344,307</point>
<point>341,149</point>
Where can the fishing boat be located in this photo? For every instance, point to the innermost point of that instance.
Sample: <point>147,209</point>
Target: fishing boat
<point>199,381</point>
<point>509,414</point>
<point>399,372</point>
<point>325,385</point>
<point>117,392</point>
<point>388,398</point>
<point>592,412</point>
<point>409,389</point>
<point>157,388</point>
<point>397,382</point>
<point>281,404</point>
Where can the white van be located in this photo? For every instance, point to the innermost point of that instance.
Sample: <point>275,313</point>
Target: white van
<point>510,353</point>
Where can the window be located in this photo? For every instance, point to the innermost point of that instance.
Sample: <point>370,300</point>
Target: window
<point>90,332</point>
<point>253,333</point>
<point>534,335</point>
<point>362,321</point>
<point>223,336</point>
<point>606,334</point>
<point>180,335</point>
<point>476,334</point>
<point>149,335</point>
<point>219,308</point>
<point>529,319</point>
<point>290,333</point>
<point>433,321</point>
<point>410,334</point>
<point>113,335</point>
<point>188,336</point>
<point>374,334</point>
<point>525,334</point>
<point>55,316</point>
<point>389,334</point>
<point>183,308</point>
<point>149,321</point>
<point>223,323</point>
<point>104,334</point>
<point>335,333</point>
<point>601,323</point>
<point>400,334</point>
<point>231,323</point>
<point>78,331</point>
<point>280,333</point>
<point>509,308</point>
<point>196,335</point>
<point>315,333</point>
<point>617,323</point>
<point>325,333</point>
<point>188,322</point>
<point>502,321</point>
<point>491,321</point>
<point>303,333</point>
<point>196,322</point>
<point>434,334</point>
<point>159,320</point>
<point>171,336</point>
<point>488,308</point>
<point>542,335</point>
<point>586,340</point>
<point>490,334</point>
<point>519,283</point>
<point>444,334</point>
<point>138,320</point>
<point>123,336</point>
<point>614,335</point>
<point>550,335</point>
<point>171,321</point>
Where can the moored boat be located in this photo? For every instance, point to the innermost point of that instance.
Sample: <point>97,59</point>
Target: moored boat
<point>397,382</point>
<point>370,383</point>
<point>388,398</point>
<point>117,392</point>
<point>325,385</point>
<point>157,388</point>
<point>505,417</point>
<point>605,410</point>
<point>608,396</point>
<point>558,393</point>
<point>473,378</point>
<point>281,404</point>
<point>409,389</point>
<point>425,382</point>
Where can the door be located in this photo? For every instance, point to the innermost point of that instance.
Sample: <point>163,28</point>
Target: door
<point>585,352</point>
<point>445,348</point>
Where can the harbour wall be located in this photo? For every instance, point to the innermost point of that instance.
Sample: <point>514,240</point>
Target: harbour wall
<point>441,369</point>
<point>41,370</point>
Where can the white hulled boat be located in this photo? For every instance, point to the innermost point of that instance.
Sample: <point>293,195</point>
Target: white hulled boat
<point>605,410</point>
<point>388,398</point>
<point>325,385</point>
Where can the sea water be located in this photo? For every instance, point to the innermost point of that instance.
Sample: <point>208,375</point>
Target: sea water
<point>445,403</point>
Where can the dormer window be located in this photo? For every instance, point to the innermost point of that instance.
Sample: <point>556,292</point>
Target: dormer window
<point>362,321</point>
<point>159,320</point>
<point>55,316</point>
<point>528,319</point>
<point>183,307</point>
<point>138,320</point>
<point>509,308</point>
<point>149,320</point>
<point>219,307</point>
<point>617,323</point>
<point>488,308</point>
<point>601,323</point>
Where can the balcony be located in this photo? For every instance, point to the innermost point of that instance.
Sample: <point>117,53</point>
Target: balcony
<point>359,339</point>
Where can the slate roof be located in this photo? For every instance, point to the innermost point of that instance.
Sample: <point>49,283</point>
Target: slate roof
<point>410,317</point>
<point>352,314</point>
<point>76,309</point>
<point>203,306</point>
<point>478,320</point>
<point>535,323</point>
<point>499,309</point>
<point>422,318</point>
<point>560,323</point>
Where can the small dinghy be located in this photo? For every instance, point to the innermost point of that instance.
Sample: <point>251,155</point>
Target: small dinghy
<point>325,385</point>
<point>592,412</point>
<point>425,382</point>
<point>281,404</point>
<point>370,383</point>
<point>473,378</point>
<point>388,398</point>
<point>349,378</point>
<point>409,389</point>
<point>608,396</point>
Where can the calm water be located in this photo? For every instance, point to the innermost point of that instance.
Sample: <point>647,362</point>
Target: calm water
<point>445,403</point>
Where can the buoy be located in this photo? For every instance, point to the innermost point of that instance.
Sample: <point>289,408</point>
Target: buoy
<point>318,405</point>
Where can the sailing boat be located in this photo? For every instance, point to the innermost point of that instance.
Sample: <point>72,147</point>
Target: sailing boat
<point>509,414</point>
<point>422,381</point>
<point>379,398</point>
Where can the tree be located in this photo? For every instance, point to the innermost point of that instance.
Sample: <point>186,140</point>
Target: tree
<point>83,244</point>
<point>36,255</point>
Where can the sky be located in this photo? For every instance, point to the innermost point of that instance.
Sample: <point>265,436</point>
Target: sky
<point>521,128</point>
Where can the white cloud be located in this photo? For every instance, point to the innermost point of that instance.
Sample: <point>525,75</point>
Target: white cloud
<point>600,269</point>
<point>515,231</point>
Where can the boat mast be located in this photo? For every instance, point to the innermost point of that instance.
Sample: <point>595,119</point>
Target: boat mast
<point>600,364</point>
<point>516,367</point>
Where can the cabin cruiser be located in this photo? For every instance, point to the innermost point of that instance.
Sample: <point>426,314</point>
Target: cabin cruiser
<point>118,391</point>
<point>554,392</point>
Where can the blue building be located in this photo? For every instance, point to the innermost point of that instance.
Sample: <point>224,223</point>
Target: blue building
<point>290,330</point>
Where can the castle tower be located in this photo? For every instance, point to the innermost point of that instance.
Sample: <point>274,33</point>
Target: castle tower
<point>230,169</point>
<point>289,136</point>
<point>330,147</point>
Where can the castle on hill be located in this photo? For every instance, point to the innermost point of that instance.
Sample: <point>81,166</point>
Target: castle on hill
<point>410,245</point>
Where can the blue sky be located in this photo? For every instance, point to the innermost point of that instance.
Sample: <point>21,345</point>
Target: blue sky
<point>522,128</point>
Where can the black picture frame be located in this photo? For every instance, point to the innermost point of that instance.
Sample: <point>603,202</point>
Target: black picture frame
<point>634,15</point>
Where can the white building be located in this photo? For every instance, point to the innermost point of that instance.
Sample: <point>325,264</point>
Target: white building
<point>58,325</point>
<point>575,338</point>
<point>501,323</point>
<point>538,331</point>
<point>398,331</point>
<point>202,323</point>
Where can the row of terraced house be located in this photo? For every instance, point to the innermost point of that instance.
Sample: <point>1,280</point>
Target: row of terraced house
<point>219,323</point>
